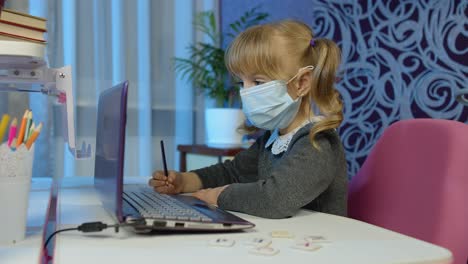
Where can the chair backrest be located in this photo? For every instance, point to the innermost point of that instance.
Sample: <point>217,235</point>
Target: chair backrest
<point>415,182</point>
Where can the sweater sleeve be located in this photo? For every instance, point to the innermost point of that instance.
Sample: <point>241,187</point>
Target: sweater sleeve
<point>242,168</point>
<point>301,177</point>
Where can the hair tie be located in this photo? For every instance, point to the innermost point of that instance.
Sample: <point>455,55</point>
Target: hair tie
<point>312,42</point>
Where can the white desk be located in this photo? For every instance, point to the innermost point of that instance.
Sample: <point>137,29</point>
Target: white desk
<point>351,241</point>
<point>29,250</point>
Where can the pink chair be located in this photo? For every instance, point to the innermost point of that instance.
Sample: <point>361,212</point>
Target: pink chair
<point>415,182</point>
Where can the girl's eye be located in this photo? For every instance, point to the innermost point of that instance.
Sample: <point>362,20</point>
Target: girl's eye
<point>241,84</point>
<point>258,82</point>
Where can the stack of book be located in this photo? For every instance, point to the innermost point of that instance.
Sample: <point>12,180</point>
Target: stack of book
<point>19,26</point>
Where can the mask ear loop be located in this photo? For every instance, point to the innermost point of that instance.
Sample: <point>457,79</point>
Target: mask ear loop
<point>299,72</point>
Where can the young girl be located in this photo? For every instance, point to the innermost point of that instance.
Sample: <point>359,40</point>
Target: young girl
<point>299,161</point>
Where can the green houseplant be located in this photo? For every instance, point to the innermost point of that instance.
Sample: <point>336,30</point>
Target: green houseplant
<point>206,69</point>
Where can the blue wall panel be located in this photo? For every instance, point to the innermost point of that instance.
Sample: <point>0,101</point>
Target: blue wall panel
<point>400,59</point>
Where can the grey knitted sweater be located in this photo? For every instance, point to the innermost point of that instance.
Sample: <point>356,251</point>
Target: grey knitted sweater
<point>277,186</point>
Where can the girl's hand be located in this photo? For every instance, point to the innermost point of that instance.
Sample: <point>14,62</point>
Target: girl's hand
<point>171,184</point>
<point>210,195</point>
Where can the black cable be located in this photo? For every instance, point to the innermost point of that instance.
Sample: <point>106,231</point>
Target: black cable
<point>56,232</point>
<point>93,227</point>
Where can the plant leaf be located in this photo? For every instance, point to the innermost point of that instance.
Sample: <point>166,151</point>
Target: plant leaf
<point>205,65</point>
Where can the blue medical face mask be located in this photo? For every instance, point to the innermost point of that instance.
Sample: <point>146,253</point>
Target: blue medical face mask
<point>269,106</point>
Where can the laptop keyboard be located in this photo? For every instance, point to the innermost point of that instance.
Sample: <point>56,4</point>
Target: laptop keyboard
<point>152,204</point>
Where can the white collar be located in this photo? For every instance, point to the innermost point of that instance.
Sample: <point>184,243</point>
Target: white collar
<point>281,142</point>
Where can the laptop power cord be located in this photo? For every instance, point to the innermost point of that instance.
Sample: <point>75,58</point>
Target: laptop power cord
<point>93,227</point>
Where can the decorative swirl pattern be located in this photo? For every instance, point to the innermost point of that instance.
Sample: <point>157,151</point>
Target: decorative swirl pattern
<point>400,60</point>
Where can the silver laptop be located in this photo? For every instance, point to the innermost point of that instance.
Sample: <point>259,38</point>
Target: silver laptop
<point>138,202</point>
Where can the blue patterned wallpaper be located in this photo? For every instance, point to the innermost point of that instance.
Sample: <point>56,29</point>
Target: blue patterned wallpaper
<point>400,59</point>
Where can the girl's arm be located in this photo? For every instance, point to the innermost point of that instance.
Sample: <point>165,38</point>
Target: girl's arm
<point>243,168</point>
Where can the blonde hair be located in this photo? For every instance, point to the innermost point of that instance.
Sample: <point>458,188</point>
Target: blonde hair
<point>278,51</point>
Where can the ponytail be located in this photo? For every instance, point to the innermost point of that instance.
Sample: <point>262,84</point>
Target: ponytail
<point>326,56</point>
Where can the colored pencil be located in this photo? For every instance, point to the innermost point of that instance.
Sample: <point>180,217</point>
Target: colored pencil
<point>31,129</point>
<point>34,136</point>
<point>12,133</point>
<point>4,126</point>
<point>20,137</point>
<point>28,125</point>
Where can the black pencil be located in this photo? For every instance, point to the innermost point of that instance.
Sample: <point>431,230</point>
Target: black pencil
<point>164,158</point>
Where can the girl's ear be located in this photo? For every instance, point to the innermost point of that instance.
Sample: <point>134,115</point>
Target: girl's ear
<point>304,83</point>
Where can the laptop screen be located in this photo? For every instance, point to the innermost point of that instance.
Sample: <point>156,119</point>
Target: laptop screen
<point>110,147</point>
